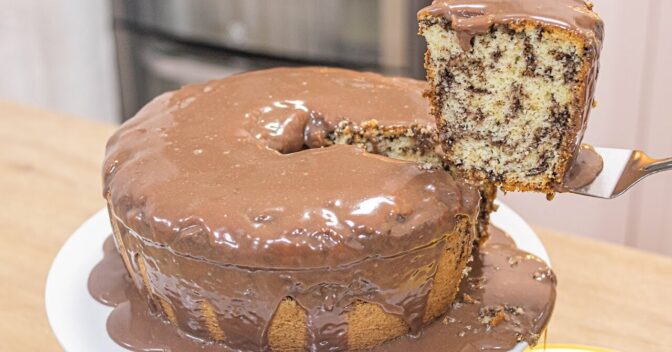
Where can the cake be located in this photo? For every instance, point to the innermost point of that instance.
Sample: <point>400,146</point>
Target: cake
<point>252,212</point>
<point>507,297</point>
<point>512,85</point>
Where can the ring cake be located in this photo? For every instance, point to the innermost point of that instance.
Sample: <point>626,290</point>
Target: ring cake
<point>245,221</point>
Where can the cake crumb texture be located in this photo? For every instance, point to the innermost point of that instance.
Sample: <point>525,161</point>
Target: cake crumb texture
<point>287,332</point>
<point>511,109</point>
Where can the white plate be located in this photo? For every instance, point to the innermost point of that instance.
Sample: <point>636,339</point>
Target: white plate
<point>78,321</point>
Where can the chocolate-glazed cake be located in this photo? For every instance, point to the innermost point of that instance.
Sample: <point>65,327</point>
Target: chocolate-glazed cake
<point>244,226</point>
<point>512,85</point>
<point>507,297</point>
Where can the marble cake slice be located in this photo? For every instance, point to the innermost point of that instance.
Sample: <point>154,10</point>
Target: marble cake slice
<point>512,85</point>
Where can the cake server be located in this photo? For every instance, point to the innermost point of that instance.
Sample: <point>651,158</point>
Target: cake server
<point>622,169</point>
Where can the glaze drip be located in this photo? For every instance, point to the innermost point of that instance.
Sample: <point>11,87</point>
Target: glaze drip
<point>503,299</point>
<point>246,299</point>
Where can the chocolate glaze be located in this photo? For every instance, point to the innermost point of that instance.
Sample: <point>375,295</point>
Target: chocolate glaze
<point>218,205</point>
<point>246,299</point>
<point>507,297</point>
<point>586,167</point>
<point>471,17</point>
<point>202,166</point>
<point>502,278</point>
<point>133,323</point>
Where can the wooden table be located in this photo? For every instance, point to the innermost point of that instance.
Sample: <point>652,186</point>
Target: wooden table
<point>608,296</point>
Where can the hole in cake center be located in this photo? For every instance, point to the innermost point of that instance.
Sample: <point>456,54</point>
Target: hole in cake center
<point>288,126</point>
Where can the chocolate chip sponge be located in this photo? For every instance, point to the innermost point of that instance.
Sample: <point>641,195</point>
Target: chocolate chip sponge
<point>512,85</point>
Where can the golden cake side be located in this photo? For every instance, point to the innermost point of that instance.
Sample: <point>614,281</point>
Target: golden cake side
<point>194,304</point>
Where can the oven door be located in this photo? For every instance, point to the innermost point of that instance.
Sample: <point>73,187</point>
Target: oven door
<point>373,33</point>
<point>164,44</point>
<point>149,66</point>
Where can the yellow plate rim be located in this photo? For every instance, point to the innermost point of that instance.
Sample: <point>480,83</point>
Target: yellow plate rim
<point>551,347</point>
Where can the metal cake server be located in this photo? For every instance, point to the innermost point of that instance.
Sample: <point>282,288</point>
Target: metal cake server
<point>622,169</point>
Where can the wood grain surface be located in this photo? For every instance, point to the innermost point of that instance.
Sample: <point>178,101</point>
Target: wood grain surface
<point>608,295</point>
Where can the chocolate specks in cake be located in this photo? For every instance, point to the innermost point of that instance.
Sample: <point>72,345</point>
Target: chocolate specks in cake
<point>447,79</point>
<point>479,116</point>
<point>538,170</point>
<point>571,64</point>
<point>560,115</point>
<point>517,96</point>
<point>478,90</point>
<point>530,58</point>
<point>496,55</point>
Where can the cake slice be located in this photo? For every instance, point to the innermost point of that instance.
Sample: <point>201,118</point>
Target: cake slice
<point>512,85</point>
<point>413,141</point>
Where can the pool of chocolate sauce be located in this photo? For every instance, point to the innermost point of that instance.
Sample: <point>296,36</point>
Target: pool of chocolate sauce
<point>507,297</point>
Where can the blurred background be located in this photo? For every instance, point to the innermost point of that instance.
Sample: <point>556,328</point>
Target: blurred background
<point>103,59</point>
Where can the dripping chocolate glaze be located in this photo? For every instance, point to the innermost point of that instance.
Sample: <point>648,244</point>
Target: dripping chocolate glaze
<point>216,183</point>
<point>245,299</point>
<point>507,297</point>
<point>502,279</point>
<point>469,18</point>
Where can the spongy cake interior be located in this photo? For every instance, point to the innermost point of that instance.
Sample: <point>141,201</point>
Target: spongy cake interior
<point>509,108</point>
<point>412,142</point>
